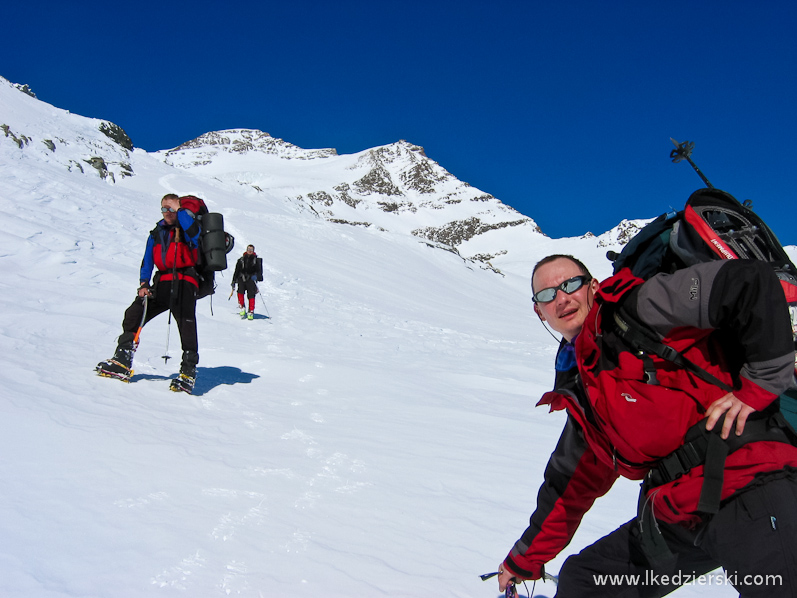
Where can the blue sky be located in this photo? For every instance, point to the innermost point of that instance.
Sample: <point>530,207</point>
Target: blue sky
<point>563,110</point>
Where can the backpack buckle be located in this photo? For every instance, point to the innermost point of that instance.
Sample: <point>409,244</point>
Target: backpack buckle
<point>680,462</point>
<point>648,369</point>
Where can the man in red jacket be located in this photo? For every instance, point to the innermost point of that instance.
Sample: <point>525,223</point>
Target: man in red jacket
<point>172,249</point>
<point>635,414</point>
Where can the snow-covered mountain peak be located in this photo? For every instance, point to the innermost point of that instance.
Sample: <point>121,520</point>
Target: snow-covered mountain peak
<point>397,187</point>
<point>416,172</point>
<point>401,150</point>
<point>622,233</point>
<point>204,148</point>
<point>394,187</point>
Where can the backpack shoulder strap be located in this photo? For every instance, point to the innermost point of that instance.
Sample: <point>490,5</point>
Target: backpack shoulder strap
<point>642,339</point>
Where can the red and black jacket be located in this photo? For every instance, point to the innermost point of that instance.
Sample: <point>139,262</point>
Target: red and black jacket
<point>248,266</point>
<point>728,317</point>
<point>173,249</point>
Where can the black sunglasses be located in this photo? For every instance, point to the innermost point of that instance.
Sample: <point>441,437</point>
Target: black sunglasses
<point>570,286</point>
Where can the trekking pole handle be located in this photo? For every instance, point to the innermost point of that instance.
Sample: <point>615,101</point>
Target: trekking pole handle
<point>683,151</point>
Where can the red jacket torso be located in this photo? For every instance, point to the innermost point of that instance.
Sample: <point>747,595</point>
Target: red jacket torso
<point>169,254</point>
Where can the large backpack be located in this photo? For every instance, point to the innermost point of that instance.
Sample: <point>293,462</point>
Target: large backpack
<point>214,244</point>
<point>712,226</point>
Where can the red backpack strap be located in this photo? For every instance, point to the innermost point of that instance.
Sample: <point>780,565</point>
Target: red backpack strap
<point>614,288</point>
<point>709,235</point>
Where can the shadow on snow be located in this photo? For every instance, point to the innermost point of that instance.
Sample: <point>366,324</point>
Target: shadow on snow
<point>207,378</point>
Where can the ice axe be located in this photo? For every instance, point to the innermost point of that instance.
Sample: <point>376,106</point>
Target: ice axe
<point>511,591</point>
<point>141,325</point>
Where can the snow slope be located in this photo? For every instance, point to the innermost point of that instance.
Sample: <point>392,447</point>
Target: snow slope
<point>376,436</point>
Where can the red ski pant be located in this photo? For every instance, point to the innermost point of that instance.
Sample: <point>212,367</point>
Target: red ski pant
<point>250,287</point>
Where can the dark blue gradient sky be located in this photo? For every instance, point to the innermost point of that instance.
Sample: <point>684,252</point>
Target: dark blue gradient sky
<point>563,110</point>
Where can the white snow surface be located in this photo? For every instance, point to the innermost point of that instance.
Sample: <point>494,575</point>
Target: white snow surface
<point>376,436</point>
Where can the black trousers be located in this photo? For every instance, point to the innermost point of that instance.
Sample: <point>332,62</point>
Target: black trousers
<point>753,538</point>
<point>249,286</point>
<point>183,308</point>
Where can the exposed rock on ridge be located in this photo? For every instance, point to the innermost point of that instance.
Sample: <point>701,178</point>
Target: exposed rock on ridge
<point>456,233</point>
<point>239,141</point>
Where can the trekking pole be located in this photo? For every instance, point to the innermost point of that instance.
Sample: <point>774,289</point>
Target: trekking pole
<point>173,294</point>
<point>166,356</point>
<point>683,151</point>
<point>268,315</point>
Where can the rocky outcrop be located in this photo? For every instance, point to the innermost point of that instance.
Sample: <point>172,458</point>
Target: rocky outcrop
<point>116,134</point>
<point>456,233</point>
<point>20,140</point>
<point>24,88</point>
<point>421,178</point>
<point>344,195</point>
<point>377,182</point>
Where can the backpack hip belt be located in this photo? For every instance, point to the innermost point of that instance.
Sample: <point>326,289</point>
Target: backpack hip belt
<point>707,448</point>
